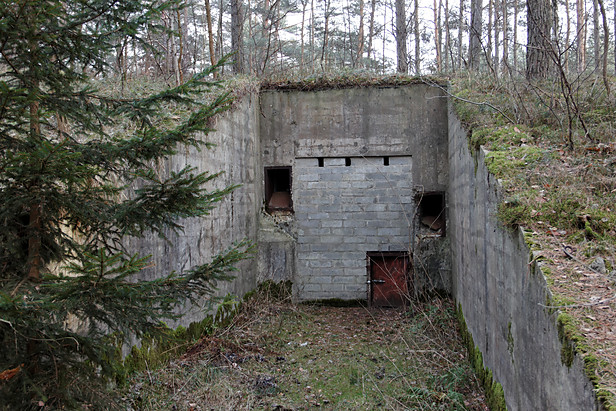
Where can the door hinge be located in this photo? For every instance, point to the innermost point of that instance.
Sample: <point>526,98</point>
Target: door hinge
<point>375,282</point>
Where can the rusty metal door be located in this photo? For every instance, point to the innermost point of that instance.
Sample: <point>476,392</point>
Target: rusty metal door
<point>389,280</point>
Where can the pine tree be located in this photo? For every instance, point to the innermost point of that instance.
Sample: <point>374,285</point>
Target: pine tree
<point>69,154</point>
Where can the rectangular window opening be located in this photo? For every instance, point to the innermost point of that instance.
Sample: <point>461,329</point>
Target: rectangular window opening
<point>321,161</point>
<point>386,161</point>
<point>278,189</point>
<point>347,161</point>
<point>432,211</point>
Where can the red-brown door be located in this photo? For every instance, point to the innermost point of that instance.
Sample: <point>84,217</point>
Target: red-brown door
<point>389,280</point>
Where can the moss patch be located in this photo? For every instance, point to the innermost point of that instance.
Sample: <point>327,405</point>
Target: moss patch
<point>494,390</point>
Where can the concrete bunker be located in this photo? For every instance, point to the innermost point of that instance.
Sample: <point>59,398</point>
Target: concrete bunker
<point>363,164</point>
<point>379,179</point>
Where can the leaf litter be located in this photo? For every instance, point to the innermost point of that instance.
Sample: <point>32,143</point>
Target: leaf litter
<point>276,355</point>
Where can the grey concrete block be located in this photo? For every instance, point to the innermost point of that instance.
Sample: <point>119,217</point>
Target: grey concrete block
<point>307,177</point>
<point>306,163</point>
<point>334,162</point>
<point>353,239</point>
<point>354,223</point>
<point>388,231</point>
<point>331,223</point>
<point>320,263</point>
<point>401,160</point>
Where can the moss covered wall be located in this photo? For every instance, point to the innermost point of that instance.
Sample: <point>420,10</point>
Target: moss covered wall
<point>501,294</point>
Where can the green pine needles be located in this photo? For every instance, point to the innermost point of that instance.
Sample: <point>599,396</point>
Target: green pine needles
<point>76,178</point>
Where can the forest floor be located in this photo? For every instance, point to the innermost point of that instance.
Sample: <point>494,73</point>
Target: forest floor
<point>277,355</point>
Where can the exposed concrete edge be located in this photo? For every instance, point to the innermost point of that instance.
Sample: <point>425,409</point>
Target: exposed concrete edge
<point>573,362</point>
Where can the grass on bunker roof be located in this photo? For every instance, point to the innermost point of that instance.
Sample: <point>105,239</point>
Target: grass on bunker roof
<point>564,197</point>
<point>276,355</point>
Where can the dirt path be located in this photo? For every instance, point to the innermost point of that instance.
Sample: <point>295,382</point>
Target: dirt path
<point>283,356</point>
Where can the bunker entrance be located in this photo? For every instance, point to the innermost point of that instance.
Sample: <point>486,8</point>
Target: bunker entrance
<point>389,279</point>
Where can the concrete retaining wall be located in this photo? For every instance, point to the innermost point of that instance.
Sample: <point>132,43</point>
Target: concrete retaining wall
<point>501,294</point>
<point>232,219</point>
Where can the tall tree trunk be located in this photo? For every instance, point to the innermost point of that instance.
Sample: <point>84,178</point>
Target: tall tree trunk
<point>496,58</point>
<point>371,28</point>
<point>490,27</point>
<point>474,48</point>
<point>237,43</point>
<point>219,43</point>
<point>174,59</point>
<point>538,59</point>
<point>178,66</point>
<point>447,51</point>
<point>606,41</point>
<point>567,36</point>
<point>384,38</point>
<point>327,4</point>
<point>460,32</point>
<point>312,23</point>
<point>360,35</point>
<point>581,35</point>
<point>210,35</point>
<point>35,262</point>
<point>505,14</point>
<point>516,8</point>
<point>595,33</point>
<point>437,36</point>
<point>301,64</point>
<point>402,58</point>
<point>417,36</point>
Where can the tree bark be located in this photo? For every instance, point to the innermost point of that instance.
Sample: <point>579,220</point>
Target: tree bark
<point>301,64</point>
<point>325,33</point>
<point>402,58</point>
<point>371,28</point>
<point>438,36</point>
<point>237,43</point>
<point>474,48</point>
<point>489,30</point>
<point>417,36</point>
<point>210,35</point>
<point>581,35</point>
<point>567,37</point>
<point>447,52</point>
<point>538,58</point>
<point>460,32</point>
<point>178,67</point>
<point>360,35</point>
<point>595,33</point>
<point>505,14</point>
<point>516,8</point>
<point>606,40</point>
<point>35,261</point>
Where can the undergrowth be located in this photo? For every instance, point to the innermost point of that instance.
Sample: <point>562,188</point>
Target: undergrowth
<point>276,355</point>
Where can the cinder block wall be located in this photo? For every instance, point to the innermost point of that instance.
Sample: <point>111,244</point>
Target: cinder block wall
<point>342,212</point>
<point>297,127</point>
